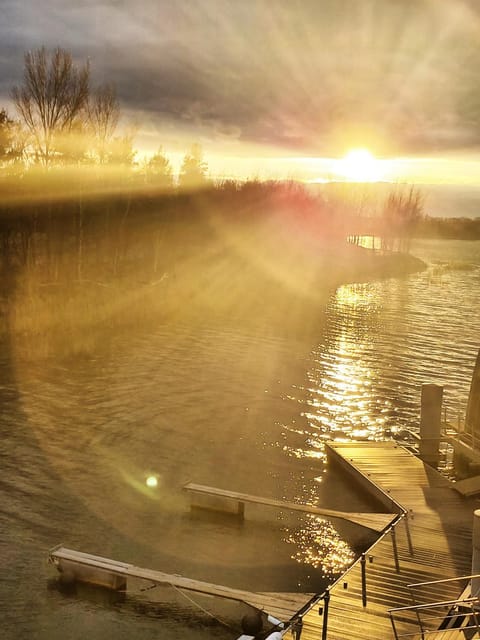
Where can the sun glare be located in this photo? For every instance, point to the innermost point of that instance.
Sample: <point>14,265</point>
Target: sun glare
<point>359,165</point>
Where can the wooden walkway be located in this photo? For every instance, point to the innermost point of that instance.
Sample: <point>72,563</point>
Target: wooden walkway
<point>375,521</point>
<point>440,522</point>
<point>93,569</point>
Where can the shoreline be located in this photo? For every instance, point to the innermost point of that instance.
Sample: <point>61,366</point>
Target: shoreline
<point>70,317</point>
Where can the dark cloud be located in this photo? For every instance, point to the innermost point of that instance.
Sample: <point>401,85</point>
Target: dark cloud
<point>310,75</point>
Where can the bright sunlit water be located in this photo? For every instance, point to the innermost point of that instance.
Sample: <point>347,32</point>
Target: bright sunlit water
<point>95,451</point>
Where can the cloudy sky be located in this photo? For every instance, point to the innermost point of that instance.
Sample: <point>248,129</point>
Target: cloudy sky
<point>277,79</point>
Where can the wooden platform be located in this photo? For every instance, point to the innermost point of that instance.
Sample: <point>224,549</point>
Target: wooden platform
<point>376,521</point>
<point>440,522</point>
<point>97,570</point>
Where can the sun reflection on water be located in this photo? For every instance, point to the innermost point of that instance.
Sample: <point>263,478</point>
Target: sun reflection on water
<point>338,398</point>
<point>338,401</point>
<point>319,545</point>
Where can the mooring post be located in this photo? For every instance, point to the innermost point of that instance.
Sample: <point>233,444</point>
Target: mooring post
<point>430,423</point>
<point>326,600</point>
<point>363,563</point>
<point>472,418</point>
<point>475,583</point>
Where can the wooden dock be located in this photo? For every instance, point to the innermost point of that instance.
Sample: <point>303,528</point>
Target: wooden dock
<point>418,564</point>
<point>114,574</point>
<point>440,524</point>
<point>220,499</point>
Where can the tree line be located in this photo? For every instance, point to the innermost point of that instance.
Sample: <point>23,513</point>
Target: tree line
<point>67,178</point>
<point>64,120</point>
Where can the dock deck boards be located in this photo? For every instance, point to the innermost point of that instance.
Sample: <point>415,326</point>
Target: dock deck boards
<point>440,523</point>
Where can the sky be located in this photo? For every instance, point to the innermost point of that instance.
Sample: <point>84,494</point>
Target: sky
<point>277,87</point>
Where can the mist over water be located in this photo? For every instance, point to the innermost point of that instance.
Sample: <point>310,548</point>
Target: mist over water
<point>214,401</point>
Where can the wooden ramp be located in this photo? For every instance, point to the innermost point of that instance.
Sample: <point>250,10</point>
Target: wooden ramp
<point>376,521</point>
<point>98,570</point>
<point>440,523</point>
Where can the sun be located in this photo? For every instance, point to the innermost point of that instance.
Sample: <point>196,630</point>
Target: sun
<point>359,165</point>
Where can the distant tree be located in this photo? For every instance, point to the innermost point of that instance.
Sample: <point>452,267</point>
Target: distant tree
<point>103,115</point>
<point>120,151</point>
<point>52,98</point>
<point>12,139</point>
<point>159,171</point>
<point>193,172</point>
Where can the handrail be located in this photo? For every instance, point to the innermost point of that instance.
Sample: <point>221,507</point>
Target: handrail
<point>424,584</point>
<point>457,608</point>
<point>431,605</point>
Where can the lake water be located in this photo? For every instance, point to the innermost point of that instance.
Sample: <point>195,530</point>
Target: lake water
<point>215,402</point>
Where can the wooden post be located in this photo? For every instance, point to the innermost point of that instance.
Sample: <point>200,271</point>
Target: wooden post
<point>430,423</point>
<point>476,553</point>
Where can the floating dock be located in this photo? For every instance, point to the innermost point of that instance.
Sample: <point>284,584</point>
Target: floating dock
<point>206,497</point>
<point>438,552</point>
<point>85,567</point>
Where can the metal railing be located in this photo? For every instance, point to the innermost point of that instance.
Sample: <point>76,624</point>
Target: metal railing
<point>434,618</point>
<point>428,583</point>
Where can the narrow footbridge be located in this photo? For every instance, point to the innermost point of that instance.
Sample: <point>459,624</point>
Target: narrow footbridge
<point>105,572</point>
<point>220,499</point>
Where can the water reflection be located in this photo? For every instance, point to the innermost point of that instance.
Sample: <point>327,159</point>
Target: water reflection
<point>319,545</point>
<point>339,397</point>
<point>382,341</point>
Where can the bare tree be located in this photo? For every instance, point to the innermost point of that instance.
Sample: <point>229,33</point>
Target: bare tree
<point>103,116</point>
<point>52,98</point>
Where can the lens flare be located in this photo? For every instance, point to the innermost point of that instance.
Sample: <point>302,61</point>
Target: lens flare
<point>152,482</point>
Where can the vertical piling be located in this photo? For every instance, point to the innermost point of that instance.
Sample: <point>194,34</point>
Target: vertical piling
<point>475,587</point>
<point>472,420</point>
<point>430,423</point>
